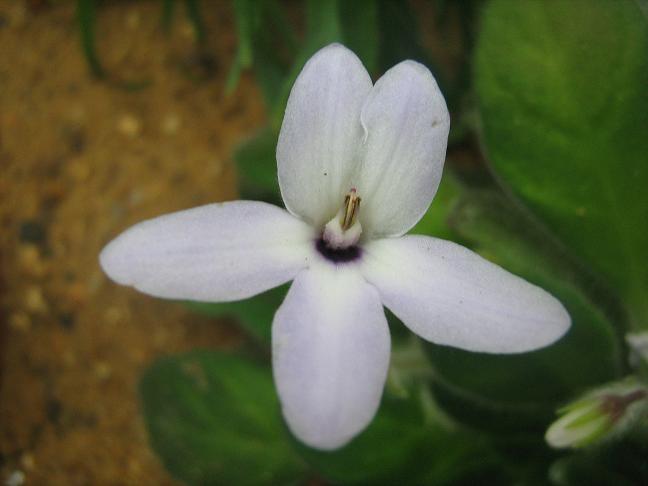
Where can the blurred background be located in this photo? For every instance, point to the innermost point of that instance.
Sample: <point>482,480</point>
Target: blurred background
<point>83,157</point>
<point>112,112</point>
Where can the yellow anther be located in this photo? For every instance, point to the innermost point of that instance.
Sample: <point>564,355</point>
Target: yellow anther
<point>351,209</point>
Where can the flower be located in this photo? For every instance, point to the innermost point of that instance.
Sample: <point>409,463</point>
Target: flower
<point>358,166</point>
<point>638,345</point>
<point>604,412</point>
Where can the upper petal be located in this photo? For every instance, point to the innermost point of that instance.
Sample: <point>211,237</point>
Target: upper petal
<point>449,295</point>
<point>407,124</point>
<point>330,354</point>
<point>321,133</point>
<point>218,252</point>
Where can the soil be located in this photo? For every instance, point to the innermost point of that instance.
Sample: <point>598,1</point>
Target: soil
<point>81,159</point>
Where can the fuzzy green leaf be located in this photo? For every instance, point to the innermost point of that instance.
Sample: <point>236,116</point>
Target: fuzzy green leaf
<point>213,419</point>
<point>564,106</point>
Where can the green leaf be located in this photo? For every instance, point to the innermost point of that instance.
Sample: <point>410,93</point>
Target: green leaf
<point>86,16</point>
<point>275,45</point>
<point>399,34</point>
<point>254,314</point>
<point>359,20</point>
<point>619,462</point>
<point>257,167</point>
<point>435,221</point>
<point>524,387</point>
<point>564,105</point>
<point>245,13</point>
<point>168,10</point>
<point>400,39</point>
<point>213,418</point>
<point>270,70</point>
<point>402,446</point>
<point>322,28</point>
<point>195,17</point>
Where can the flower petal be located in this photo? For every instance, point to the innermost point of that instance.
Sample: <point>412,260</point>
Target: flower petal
<point>330,352</point>
<point>407,124</point>
<point>449,295</point>
<point>321,133</point>
<point>218,252</point>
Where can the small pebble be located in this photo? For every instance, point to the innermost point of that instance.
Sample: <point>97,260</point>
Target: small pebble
<point>79,171</point>
<point>170,124</point>
<point>113,316</point>
<point>34,300</point>
<point>77,114</point>
<point>27,461</point>
<point>102,370</point>
<point>129,125</point>
<point>30,260</point>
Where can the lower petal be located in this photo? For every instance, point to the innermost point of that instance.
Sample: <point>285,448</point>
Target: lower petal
<point>215,253</point>
<point>449,295</point>
<point>330,352</point>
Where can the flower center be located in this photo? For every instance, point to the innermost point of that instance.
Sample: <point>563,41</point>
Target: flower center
<point>342,233</point>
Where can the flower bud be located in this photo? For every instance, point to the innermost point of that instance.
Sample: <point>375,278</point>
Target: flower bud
<point>598,415</point>
<point>638,344</point>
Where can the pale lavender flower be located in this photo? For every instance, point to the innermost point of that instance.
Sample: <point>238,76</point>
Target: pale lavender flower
<point>358,166</point>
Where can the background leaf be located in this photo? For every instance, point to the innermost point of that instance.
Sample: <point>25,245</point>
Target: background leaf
<point>322,28</point>
<point>435,221</point>
<point>620,462</point>
<point>254,314</point>
<point>245,16</point>
<point>213,418</point>
<point>564,105</point>
<point>523,388</point>
<point>359,21</point>
<point>257,167</point>
<point>402,446</point>
<point>87,16</point>
<point>194,15</point>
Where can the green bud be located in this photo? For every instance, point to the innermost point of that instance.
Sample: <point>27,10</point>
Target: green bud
<point>601,413</point>
<point>638,344</point>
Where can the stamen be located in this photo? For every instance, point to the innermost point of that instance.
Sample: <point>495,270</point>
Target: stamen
<point>351,208</point>
<point>344,230</point>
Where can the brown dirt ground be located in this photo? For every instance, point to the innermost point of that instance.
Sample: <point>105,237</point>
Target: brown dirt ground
<point>80,161</point>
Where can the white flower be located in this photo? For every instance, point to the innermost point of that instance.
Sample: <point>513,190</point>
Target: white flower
<point>358,166</point>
